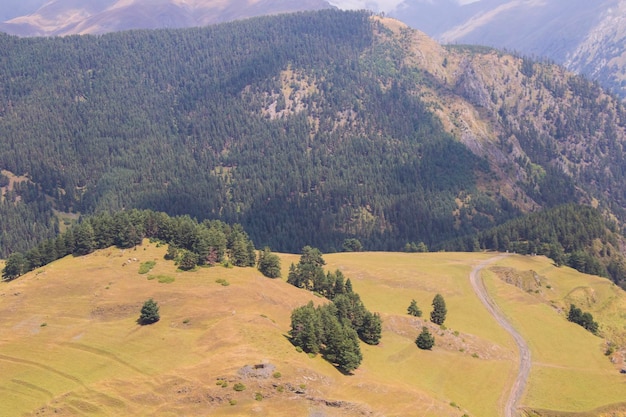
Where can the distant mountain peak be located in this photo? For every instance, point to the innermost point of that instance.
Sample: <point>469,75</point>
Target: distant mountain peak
<point>67,17</point>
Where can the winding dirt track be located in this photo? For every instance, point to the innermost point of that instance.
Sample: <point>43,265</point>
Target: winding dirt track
<point>510,409</point>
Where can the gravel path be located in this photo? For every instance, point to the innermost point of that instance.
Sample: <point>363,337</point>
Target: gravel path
<point>517,390</point>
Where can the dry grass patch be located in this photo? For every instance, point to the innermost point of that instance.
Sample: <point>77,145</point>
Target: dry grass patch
<point>93,359</point>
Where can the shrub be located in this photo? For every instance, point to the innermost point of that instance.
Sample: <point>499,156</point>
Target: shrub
<point>277,375</point>
<point>145,267</point>
<point>258,396</point>
<point>239,387</point>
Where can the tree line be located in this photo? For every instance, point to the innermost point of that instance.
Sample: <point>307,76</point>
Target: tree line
<point>574,235</point>
<point>190,242</point>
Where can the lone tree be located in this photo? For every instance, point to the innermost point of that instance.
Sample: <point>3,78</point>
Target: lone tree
<point>149,313</point>
<point>438,315</point>
<point>425,340</point>
<point>413,309</point>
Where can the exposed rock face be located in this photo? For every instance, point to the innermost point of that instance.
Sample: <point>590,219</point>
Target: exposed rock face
<point>588,37</point>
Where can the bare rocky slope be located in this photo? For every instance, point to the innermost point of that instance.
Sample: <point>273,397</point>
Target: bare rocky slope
<point>587,37</point>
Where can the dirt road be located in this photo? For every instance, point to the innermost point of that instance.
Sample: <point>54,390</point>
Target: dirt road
<point>510,409</point>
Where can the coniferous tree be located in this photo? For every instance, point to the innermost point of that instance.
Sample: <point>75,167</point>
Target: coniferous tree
<point>84,240</point>
<point>371,330</point>
<point>425,340</point>
<point>269,263</point>
<point>414,310</point>
<point>438,314</point>
<point>149,312</point>
<point>188,260</point>
<point>14,267</point>
<point>306,328</point>
<point>349,286</point>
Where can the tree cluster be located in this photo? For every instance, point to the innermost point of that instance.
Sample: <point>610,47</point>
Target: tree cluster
<point>320,330</point>
<point>191,243</point>
<point>584,319</point>
<point>571,234</point>
<point>425,339</point>
<point>346,307</point>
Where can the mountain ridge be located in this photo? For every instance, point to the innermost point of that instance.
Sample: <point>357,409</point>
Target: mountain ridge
<point>586,37</point>
<point>69,17</point>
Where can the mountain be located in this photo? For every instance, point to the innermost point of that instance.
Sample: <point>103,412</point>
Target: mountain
<point>66,17</point>
<point>71,344</point>
<point>587,37</point>
<point>307,129</point>
<point>14,8</point>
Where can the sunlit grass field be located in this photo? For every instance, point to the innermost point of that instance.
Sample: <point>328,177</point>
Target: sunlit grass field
<point>70,344</point>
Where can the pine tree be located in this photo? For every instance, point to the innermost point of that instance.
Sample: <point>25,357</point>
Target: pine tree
<point>425,340</point>
<point>84,242</point>
<point>269,263</point>
<point>413,309</point>
<point>306,328</point>
<point>149,313</point>
<point>371,329</point>
<point>438,315</point>
<point>14,267</point>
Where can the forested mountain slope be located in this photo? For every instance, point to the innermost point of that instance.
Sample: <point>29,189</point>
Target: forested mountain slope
<point>305,128</point>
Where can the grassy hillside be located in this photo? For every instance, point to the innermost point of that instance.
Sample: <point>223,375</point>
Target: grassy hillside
<point>69,343</point>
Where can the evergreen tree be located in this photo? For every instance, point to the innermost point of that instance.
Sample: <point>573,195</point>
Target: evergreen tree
<point>341,342</point>
<point>414,310</point>
<point>188,260</point>
<point>269,263</point>
<point>149,312</point>
<point>348,286</point>
<point>352,245</point>
<point>308,273</point>
<point>306,328</point>
<point>425,340</point>
<point>84,240</point>
<point>438,315</point>
<point>371,330</point>
<point>348,354</point>
<point>14,267</point>
<point>172,253</point>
